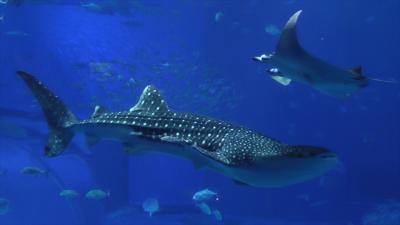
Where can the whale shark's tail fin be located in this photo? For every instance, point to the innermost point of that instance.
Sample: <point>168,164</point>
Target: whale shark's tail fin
<point>58,116</point>
<point>288,43</point>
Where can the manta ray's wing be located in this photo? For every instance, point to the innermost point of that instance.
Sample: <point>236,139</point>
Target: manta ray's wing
<point>288,43</point>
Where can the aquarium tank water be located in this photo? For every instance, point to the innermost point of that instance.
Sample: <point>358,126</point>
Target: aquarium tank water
<point>199,112</point>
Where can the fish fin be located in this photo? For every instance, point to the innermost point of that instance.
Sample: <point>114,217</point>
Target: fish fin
<point>214,155</point>
<point>58,116</point>
<point>356,70</point>
<point>288,43</point>
<point>98,111</point>
<point>238,182</point>
<point>151,101</point>
<point>282,80</point>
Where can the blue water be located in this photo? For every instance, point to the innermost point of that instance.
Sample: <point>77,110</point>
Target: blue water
<point>199,54</point>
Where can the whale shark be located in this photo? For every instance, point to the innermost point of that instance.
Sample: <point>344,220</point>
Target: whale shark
<point>291,62</point>
<point>245,156</point>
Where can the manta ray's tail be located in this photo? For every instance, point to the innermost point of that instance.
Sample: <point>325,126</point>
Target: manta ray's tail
<point>384,81</point>
<point>57,115</point>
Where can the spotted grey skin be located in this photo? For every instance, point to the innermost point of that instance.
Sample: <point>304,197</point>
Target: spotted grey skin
<point>227,143</point>
<point>239,153</point>
<point>291,62</point>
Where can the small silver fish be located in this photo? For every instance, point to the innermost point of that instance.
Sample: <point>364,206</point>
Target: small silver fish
<point>34,171</point>
<point>69,194</point>
<point>205,195</point>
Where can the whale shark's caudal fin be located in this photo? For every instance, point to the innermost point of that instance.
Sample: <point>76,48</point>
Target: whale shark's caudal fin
<point>57,115</point>
<point>288,43</point>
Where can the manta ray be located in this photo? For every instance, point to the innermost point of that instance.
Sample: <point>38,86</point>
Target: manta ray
<point>291,62</point>
<point>243,155</point>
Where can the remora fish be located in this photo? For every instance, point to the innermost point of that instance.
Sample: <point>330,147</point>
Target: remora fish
<point>291,62</point>
<point>234,151</point>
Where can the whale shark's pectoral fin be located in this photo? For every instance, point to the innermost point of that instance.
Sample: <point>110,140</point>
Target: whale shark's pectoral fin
<point>282,80</point>
<point>288,43</point>
<point>215,155</point>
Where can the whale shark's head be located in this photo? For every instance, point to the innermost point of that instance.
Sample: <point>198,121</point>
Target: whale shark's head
<point>299,163</point>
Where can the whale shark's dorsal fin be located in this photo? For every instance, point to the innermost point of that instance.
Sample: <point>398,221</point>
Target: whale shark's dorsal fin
<point>288,43</point>
<point>98,111</point>
<point>151,101</point>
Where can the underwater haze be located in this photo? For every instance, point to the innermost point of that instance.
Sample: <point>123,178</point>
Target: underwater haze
<point>247,151</point>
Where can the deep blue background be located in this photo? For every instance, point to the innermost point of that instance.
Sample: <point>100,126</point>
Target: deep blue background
<point>205,67</point>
